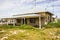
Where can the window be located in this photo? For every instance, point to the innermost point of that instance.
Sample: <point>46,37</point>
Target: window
<point>18,20</point>
<point>3,20</point>
<point>32,20</point>
<point>11,20</point>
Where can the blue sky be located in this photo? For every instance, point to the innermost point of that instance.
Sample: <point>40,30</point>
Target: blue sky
<point>12,7</point>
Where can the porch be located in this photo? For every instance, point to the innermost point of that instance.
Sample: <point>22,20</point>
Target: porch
<point>30,19</point>
<point>34,21</point>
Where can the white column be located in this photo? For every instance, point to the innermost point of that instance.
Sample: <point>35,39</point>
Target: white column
<point>7,22</point>
<point>14,22</point>
<point>39,22</point>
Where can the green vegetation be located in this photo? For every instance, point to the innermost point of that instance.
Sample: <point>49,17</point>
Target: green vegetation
<point>28,32</point>
<point>26,27</point>
<point>53,25</point>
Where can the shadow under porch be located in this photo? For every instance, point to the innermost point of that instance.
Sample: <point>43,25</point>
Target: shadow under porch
<point>34,21</point>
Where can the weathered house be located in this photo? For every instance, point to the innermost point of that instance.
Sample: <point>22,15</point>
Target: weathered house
<point>35,19</point>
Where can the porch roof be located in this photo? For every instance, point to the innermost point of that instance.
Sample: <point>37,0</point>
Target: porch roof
<point>27,15</point>
<point>34,13</point>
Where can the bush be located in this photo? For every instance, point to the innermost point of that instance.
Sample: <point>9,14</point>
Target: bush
<point>52,25</point>
<point>21,27</point>
<point>26,27</point>
<point>6,26</point>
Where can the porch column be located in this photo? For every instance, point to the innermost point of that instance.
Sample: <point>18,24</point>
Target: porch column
<point>39,22</point>
<point>7,22</point>
<point>13,24</point>
<point>14,21</point>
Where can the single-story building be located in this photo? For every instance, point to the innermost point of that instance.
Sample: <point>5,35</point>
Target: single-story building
<point>37,19</point>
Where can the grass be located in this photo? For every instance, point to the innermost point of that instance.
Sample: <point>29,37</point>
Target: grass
<point>27,32</point>
<point>53,25</point>
<point>31,34</point>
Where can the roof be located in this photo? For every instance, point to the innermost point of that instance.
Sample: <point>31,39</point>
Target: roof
<point>33,13</point>
<point>8,17</point>
<point>43,12</point>
<point>27,15</point>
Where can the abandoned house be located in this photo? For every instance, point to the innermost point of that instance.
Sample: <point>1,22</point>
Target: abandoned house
<point>37,19</point>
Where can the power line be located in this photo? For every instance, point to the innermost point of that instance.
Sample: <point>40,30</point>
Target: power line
<point>53,6</point>
<point>34,4</point>
<point>47,5</point>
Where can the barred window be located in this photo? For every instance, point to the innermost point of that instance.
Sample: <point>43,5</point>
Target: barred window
<point>32,20</point>
<point>18,20</point>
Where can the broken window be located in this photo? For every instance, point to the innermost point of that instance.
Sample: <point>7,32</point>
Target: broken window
<point>32,20</point>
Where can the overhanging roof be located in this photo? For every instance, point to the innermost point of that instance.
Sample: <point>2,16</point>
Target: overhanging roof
<point>44,12</point>
<point>27,15</point>
<point>34,13</point>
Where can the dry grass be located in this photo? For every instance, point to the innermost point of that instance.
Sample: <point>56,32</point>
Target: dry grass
<point>30,34</point>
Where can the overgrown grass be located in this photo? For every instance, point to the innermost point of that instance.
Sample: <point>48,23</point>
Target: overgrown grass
<point>15,27</point>
<point>53,25</point>
<point>28,32</point>
<point>26,27</point>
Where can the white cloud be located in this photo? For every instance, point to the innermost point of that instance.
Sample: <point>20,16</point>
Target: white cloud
<point>40,0</point>
<point>18,6</point>
<point>6,6</point>
<point>28,1</point>
<point>55,3</point>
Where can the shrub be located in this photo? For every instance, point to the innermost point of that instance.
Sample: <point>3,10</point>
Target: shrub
<point>52,25</point>
<point>21,27</point>
<point>6,26</point>
<point>26,27</point>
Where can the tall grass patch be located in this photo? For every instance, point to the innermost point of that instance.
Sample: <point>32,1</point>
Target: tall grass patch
<point>53,25</point>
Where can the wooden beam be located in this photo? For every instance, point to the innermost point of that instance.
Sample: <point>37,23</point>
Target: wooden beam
<point>39,22</point>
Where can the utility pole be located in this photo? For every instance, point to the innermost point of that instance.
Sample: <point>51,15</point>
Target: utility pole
<point>53,6</point>
<point>34,5</point>
<point>47,5</point>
